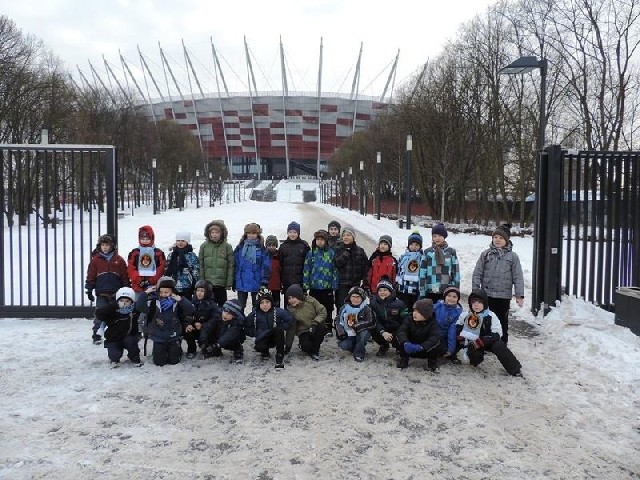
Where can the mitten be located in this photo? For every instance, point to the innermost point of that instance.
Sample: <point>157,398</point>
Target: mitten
<point>144,284</point>
<point>411,348</point>
<point>478,343</point>
<point>90,295</point>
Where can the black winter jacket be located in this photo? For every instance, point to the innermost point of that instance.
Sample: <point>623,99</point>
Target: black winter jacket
<point>425,333</point>
<point>389,313</point>
<point>353,265</point>
<point>292,256</point>
<point>119,325</point>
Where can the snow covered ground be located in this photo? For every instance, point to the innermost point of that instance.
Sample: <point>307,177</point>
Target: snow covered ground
<point>65,414</point>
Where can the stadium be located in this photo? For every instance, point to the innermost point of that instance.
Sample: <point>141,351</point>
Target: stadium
<point>271,134</point>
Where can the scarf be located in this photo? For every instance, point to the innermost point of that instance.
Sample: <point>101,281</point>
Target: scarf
<point>249,250</point>
<point>108,256</point>
<point>126,310</point>
<point>166,304</point>
<point>439,251</point>
<point>495,252</point>
<point>349,318</point>
<point>178,260</point>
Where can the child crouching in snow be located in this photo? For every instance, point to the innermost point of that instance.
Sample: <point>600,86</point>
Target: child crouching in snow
<point>354,323</point>
<point>121,327</point>
<point>166,311</point>
<point>225,332</point>
<point>479,331</point>
<point>419,336</point>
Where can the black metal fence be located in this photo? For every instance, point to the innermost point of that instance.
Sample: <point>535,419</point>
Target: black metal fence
<point>587,239</point>
<point>56,200</point>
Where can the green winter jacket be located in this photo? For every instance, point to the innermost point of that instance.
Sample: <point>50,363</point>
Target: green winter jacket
<point>310,312</point>
<point>217,262</point>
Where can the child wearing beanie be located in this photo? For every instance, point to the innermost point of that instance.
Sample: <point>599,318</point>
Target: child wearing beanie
<point>320,275</point>
<point>419,336</point>
<point>183,265</point>
<point>275,279</point>
<point>408,277</point>
<point>498,272</point>
<point>334,228</point>
<point>439,267</point>
<point>352,263</point>
<point>383,263</point>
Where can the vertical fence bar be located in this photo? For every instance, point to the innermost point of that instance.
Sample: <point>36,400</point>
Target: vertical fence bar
<point>602,222</point>
<point>569,202</point>
<point>613,194</point>
<point>593,224</point>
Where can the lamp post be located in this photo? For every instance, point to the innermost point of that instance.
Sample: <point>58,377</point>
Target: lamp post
<point>350,184</point>
<point>518,67</point>
<point>361,187</point>
<point>378,162</point>
<point>197,188</point>
<point>154,185</point>
<point>210,189</point>
<point>342,187</point>
<point>525,65</point>
<point>409,186</point>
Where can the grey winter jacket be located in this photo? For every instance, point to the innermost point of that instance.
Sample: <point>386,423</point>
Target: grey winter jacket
<point>498,271</point>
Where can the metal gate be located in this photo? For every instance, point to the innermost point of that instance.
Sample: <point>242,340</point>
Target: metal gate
<point>56,200</point>
<point>587,236</point>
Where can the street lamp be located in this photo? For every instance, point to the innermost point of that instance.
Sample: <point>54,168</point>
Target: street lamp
<point>409,186</point>
<point>361,187</point>
<point>180,202</point>
<point>378,162</point>
<point>342,187</point>
<point>154,185</point>
<point>210,189</point>
<point>350,184</point>
<point>197,188</point>
<point>526,65</point>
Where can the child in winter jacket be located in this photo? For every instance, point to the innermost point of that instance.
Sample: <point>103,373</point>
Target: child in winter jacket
<point>447,312</point>
<point>293,251</point>
<point>408,278</point>
<point>166,312</point>
<point>352,264</point>
<point>275,279</point>
<point>217,261</point>
<point>320,275</point>
<point>121,331</point>
<point>309,317</point>
<point>498,272</point>
<point>479,331</point>
<point>419,336</point>
<point>183,265</point>
<point>439,268</point>
<point>354,323</point>
<point>226,332</point>
<point>389,312</point>
<point>253,265</point>
<point>269,325</point>
<point>197,324</point>
<point>145,263</point>
<point>382,263</point>
<point>333,228</point>
<point>106,274</point>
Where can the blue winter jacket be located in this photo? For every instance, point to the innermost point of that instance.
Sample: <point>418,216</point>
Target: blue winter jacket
<point>446,317</point>
<point>249,277</point>
<point>259,324</point>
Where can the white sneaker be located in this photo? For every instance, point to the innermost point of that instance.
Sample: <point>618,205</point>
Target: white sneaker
<point>114,364</point>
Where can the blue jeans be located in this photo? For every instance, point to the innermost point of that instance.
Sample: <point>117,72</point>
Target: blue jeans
<point>357,345</point>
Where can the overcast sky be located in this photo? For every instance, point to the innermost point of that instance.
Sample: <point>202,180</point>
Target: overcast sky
<point>79,31</point>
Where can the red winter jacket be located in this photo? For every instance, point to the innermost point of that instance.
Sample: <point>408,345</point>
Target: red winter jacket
<point>275,280</point>
<point>132,263</point>
<point>382,264</point>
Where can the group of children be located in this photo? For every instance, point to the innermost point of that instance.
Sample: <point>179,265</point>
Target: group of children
<point>411,303</point>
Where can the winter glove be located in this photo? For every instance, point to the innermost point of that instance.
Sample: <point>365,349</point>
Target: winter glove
<point>90,295</point>
<point>460,339</point>
<point>144,284</point>
<point>412,348</point>
<point>478,343</point>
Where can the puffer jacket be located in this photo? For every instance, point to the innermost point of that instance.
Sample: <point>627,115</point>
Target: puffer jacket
<point>353,265</point>
<point>185,269</point>
<point>446,317</point>
<point>320,272</point>
<point>349,327</point>
<point>259,324</point>
<point>164,326</point>
<point>249,277</point>
<point>217,262</point>
<point>292,256</point>
<point>139,282</point>
<point>119,325</point>
<point>383,264</point>
<point>389,312</point>
<point>498,271</point>
<point>436,278</point>
<point>425,333</point>
<point>106,273</point>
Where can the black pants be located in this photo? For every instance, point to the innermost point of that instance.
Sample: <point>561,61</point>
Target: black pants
<point>500,306</point>
<point>115,349</point>
<point>191,338</point>
<point>379,339</point>
<point>432,354</point>
<point>325,297</point>
<point>220,295</point>
<point>500,350</point>
<point>275,338</point>
<point>244,296</point>
<point>310,342</point>
<point>276,297</point>
<point>167,353</point>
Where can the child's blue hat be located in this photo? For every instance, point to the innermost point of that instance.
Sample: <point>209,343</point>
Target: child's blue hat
<point>415,237</point>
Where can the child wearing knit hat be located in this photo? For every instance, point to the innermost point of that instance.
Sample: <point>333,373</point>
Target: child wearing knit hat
<point>499,273</point>
<point>352,263</point>
<point>226,332</point>
<point>293,251</point>
<point>419,336</point>
<point>389,312</point>
<point>383,263</point>
<point>275,280</point>
<point>183,266</point>
<point>439,267</point>
<point>408,279</point>
<point>334,228</point>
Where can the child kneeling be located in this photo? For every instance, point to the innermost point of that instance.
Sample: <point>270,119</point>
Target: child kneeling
<point>225,331</point>
<point>166,312</point>
<point>121,327</point>
<point>479,331</point>
<point>269,325</point>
